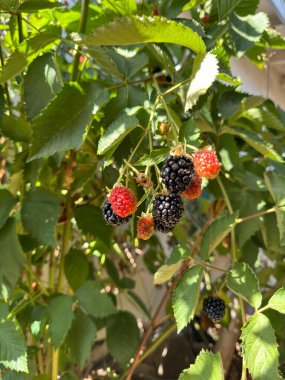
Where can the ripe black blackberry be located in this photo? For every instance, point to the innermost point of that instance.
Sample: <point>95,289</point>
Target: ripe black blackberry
<point>110,217</point>
<point>214,308</point>
<point>177,173</point>
<point>163,227</point>
<point>167,209</point>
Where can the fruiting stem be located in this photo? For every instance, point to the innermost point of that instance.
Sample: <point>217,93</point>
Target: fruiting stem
<point>82,28</point>
<point>204,264</point>
<point>165,106</point>
<point>233,250</point>
<point>174,88</point>
<point>54,364</point>
<point>20,27</point>
<point>131,156</point>
<point>65,243</point>
<point>5,85</point>
<point>230,209</point>
<point>157,342</point>
<point>240,220</point>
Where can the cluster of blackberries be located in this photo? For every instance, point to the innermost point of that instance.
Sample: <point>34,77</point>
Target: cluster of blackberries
<point>177,175</point>
<point>180,174</point>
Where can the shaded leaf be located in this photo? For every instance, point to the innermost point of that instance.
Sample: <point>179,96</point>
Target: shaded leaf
<point>40,213</point>
<point>42,82</point>
<point>97,304</point>
<point>80,338</point>
<point>215,234</point>
<point>61,316</point>
<point>123,336</point>
<point>165,272</point>
<point>185,296</point>
<point>29,6</point>
<point>7,203</point>
<point>74,260</point>
<point>54,130</point>
<point>12,347</point>
<point>90,220</point>
<point>15,128</point>
<point>116,132</point>
<point>12,258</point>
<point>258,143</point>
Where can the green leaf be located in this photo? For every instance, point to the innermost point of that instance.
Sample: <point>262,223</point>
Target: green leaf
<point>258,143</point>
<point>123,337</point>
<point>40,213</point>
<point>259,348</point>
<point>54,130</point>
<point>153,158</point>
<point>142,29</point>
<point>7,203</point>
<point>97,304</point>
<point>116,132</point>
<point>185,296</point>
<point>102,57</point>
<point>277,301</point>
<point>204,72</point>
<point>12,347</point>
<point>242,281</point>
<point>16,129</point>
<point>80,338</point>
<point>276,186</point>
<point>30,6</point>
<point>12,258</point>
<point>121,7</point>
<point>165,272</point>
<point>227,79</point>
<point>207,366</point>
<point>28,50</point>
<point>42,82</point>
<point>8,5</point>
<point>73,260</point>
<point>90,220</point>
<point>281,225</point>
<point>215,234</point>
<point>61,316</point>
<point>272,39</point>
<point>247,30</point>
<point>2,101</point>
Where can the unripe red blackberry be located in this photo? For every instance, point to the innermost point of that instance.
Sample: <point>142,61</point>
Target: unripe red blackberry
<point>110,216</point>
<point>123,201</point>
<point>177,173</point>
<point>214,308</point>
<point>167,209</point>
<point>195,189</point>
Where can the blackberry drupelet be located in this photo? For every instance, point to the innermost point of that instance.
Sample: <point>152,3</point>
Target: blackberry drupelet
<point>177,173</point>
<point>214,308</point>
<point>110,217</point>
<point>167,209</point>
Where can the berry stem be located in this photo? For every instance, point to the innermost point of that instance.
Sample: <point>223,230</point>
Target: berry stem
<point>82,28</point>
<point>233,250</point>
<point>131,157</point>
<point>204,264</point>
<point>165,106</point>
<point>174,88</point>
<point>240,220</point>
